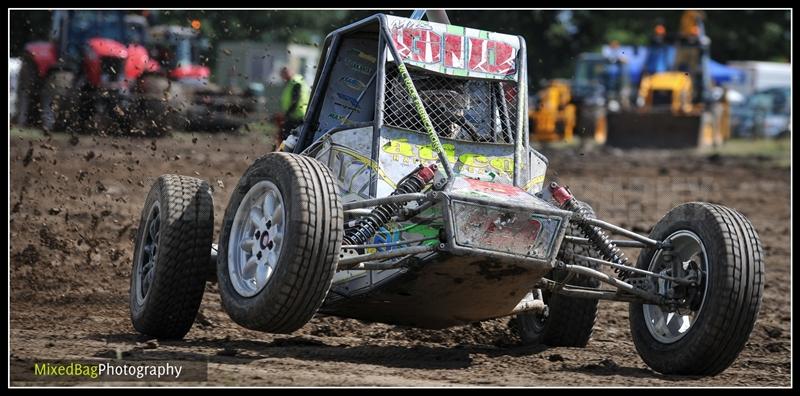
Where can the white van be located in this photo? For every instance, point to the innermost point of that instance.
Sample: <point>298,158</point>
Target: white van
<point>762,75</point>
<point>14,65</point>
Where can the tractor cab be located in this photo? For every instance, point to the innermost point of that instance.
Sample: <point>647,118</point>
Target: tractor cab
<point>676,102</point>
<point>105,47</point>
<point>92,42</point>
<point>180,50</point>
<point>73,30</point>
<point>90,64</point>
<point>136,29</point>
<point>600,79</point>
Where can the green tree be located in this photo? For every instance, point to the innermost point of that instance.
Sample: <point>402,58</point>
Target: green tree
<point>554,39</point>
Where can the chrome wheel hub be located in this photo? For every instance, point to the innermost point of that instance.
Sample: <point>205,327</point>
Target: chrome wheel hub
<point>256,238</point>
<point>670,325</point>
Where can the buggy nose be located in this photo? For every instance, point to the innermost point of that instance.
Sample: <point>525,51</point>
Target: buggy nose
<point>502,222</point>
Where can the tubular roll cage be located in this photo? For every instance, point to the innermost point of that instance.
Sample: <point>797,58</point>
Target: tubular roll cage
<point>332,45</point>
<point>351,260</point>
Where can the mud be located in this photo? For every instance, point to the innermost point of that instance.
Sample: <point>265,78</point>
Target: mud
<point>75,205</point>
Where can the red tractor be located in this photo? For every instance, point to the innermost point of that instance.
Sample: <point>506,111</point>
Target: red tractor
<point>195,103</point>
<point>87,76</point>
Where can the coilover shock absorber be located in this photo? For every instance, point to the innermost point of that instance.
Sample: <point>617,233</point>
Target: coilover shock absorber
<point>596,236</point>
<point>369,225</point>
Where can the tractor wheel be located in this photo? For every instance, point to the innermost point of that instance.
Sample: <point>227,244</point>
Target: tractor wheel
<point>101,119</point>
<point>153,117</point>
<point>179,101</point>
<point>279,243</point>
<point>56,102</point>
<point>567,321</point>
<point>705,335</point>
<point>27,94</point>
<point>171,256</point>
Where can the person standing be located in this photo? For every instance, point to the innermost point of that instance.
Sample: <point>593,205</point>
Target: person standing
<point>293,103</point>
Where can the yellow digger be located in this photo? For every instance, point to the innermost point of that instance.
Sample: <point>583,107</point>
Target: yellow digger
<point>675,108</point>
<point>553,116</point>
<point>577,108</point>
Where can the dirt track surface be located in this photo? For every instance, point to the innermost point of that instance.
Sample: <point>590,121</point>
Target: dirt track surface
<point>75,206</point>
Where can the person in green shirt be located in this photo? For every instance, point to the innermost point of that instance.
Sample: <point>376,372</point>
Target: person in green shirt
<point>294,101</point>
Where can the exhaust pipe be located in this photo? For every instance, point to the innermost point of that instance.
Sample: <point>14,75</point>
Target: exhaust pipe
<point>439,16</point>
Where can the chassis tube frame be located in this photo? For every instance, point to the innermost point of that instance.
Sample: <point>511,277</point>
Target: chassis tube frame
<point>349,262</point>
<point>399,198</point>
<point>631,269</point>
<point>390,244</point>
<point>618,242</point>
<point>620,285</point>
<point>621,231</point>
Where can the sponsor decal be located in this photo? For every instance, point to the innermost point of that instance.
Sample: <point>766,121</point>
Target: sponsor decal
<point>338,117</point>
<point>454,51</point>
<point>347,98</point>
<point>492,57</point>
<point>532,182</point>
<point>493,188</point>
<point>348,108</point>
<point>386,234</point>
<point>353,83</point>
<point>403,151</point>
<point>364,160</point>
<point>359,67</point>
<point>365,56</point>
<point>418,45</point>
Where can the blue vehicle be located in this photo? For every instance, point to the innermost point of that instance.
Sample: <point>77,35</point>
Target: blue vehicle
<point>766,113</point>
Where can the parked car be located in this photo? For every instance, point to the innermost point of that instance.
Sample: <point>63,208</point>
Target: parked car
<point>14,64</point>
<point>765,113</point>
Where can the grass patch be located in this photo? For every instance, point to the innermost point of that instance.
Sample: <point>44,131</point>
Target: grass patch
<point>777,151</point>
<point>258,129</point>
<point>25,133</point>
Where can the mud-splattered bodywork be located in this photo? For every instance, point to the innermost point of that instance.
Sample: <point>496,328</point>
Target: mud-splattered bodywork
<point>495,237</point>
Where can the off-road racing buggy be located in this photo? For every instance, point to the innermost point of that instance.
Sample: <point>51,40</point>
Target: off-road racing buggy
<point>413,198</point>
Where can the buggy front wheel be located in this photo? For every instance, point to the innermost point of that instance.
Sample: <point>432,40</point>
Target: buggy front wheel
<point>279,244</point>
<point>567,321</point>
<point>705,334</point>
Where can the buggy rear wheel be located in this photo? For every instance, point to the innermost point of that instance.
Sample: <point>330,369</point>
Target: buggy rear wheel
<point>170,261</point>
<point>56,102</point>
<point>279,244</point>
<point>705,335</point>
<point>27,93</point>
<point>566,321</point>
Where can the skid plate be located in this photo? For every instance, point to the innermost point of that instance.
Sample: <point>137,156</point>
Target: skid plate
<point>503,222</point>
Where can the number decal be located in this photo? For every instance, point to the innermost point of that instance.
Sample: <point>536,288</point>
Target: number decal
<point>482,56</point>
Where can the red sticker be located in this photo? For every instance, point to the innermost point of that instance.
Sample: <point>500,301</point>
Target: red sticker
<point>418,45</point>
<point>493,57</point>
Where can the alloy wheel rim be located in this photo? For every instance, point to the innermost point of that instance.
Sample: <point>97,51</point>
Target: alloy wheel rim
<point>256,238</point>
<point>670,326</point>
